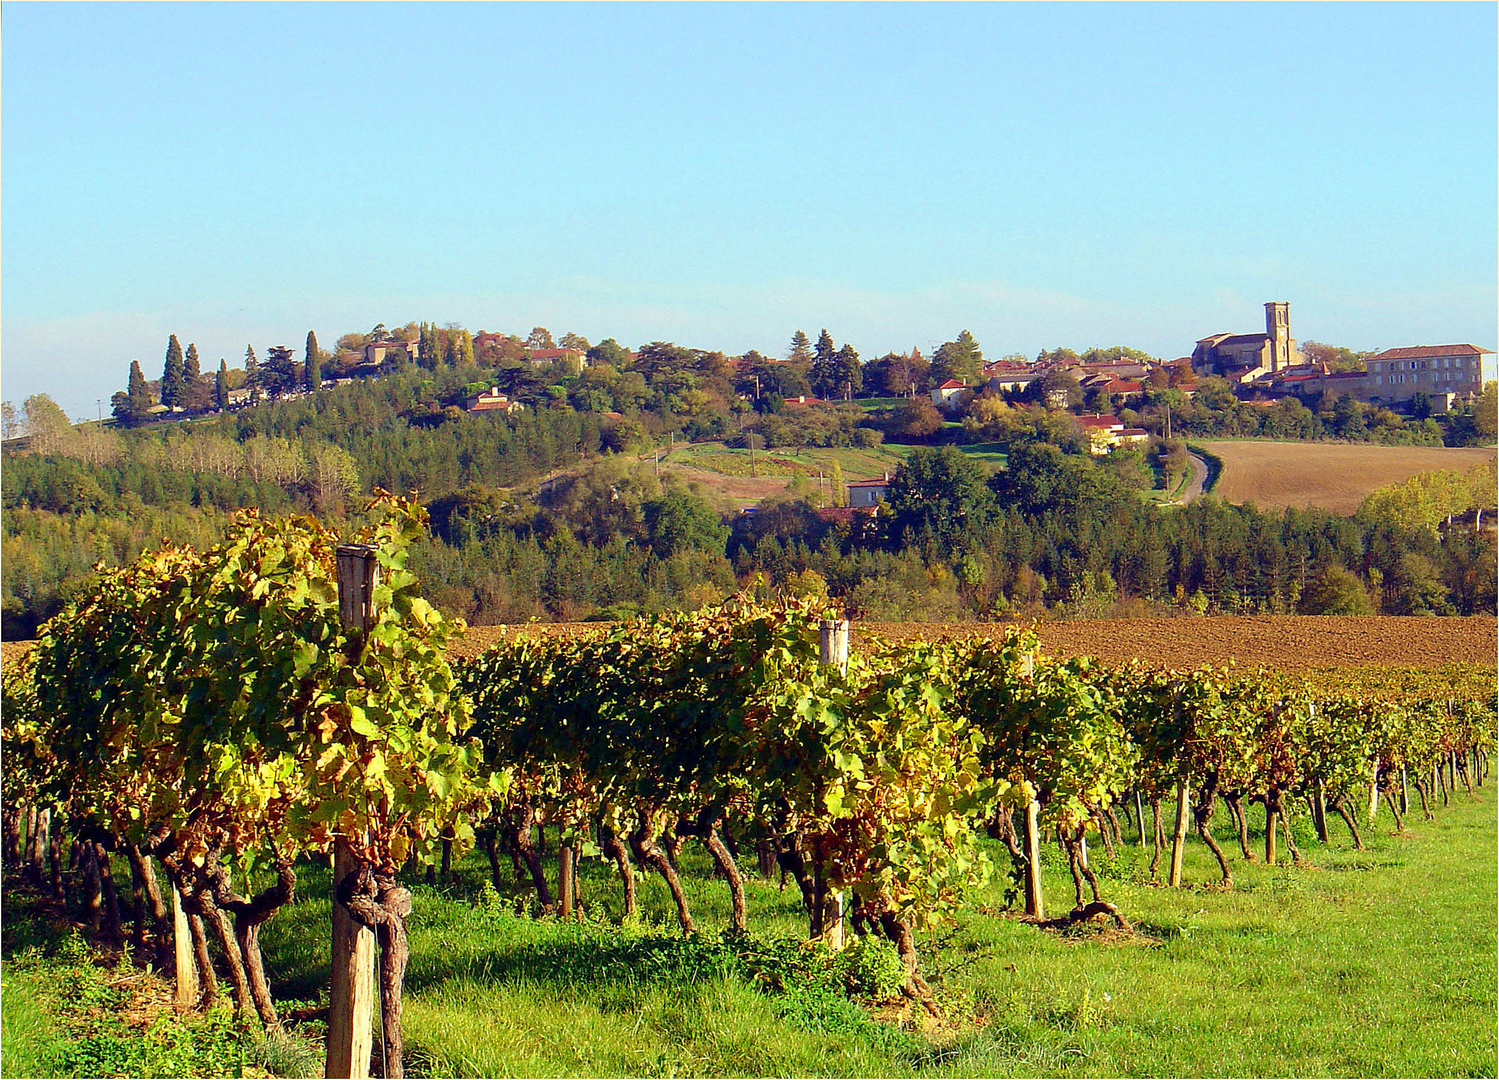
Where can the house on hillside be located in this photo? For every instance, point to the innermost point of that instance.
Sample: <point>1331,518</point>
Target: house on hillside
<point>1103,431</point>
<point>546,357</point>
<point>951,395</point>
<point>491,400</point>
<point>863,494</point>
<point>379,352</point>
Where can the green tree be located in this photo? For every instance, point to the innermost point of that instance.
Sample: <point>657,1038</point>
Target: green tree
<point>1336,591</point>
<point>173,384</point>
<point>571,340</point>
<point>281,373</point>
<point>221,386</point>
<point>680,521</point>
<point>848,372</point>
<point>1486,412</point>
<point>540,338</point>
<point>961,359</point>
<point>609,352</point>
<point>252,372</point>
<point>939,493</point>
<point>194,394</point>
<point>46,424</point>
<point>801,348</point>
<point>134,405</point>
<point>312,365</point>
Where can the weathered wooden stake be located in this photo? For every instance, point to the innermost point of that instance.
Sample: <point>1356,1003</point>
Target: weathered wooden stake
<point>1140,816</point>
<point>1035,896</point>
<point>1272,819</point>
<point>1179,838</point>
<point>186,963</point>
<point>833,650</point>
<point>351,994</point>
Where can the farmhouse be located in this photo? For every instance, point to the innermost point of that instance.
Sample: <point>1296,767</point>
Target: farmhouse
<point>865,493</point>
<point>491,400</point>
<point>953,394</point>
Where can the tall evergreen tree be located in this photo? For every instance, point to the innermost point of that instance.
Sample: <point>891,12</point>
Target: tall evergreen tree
<point>824,377</point>
<point>221,386</point>
<point>849,373</point>
<point>252,371</point>
<point>313,364</point>
<point>192,379</point>
<point>801,349</point>
<point>960,359</point>
<point>429,353</point>
<point>173,385</point>
<point>280,374</point>
<point>134,405</point>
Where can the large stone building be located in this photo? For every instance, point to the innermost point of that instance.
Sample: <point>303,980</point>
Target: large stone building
<point>1245,357</point>
<point>1397,375</point>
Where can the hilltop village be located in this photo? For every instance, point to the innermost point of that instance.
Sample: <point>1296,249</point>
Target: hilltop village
<point>568,479</point>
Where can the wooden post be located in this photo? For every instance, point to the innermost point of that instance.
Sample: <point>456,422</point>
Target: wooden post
<point>834,643</point>
<point>351,995</point>
<point>1271,820</point>
<point>186,963</point>
<point>833,650</point>
<point>1140,816</point>
<point>1405,803</point>
<point>565,880</point>
<point>1373,791</point>
<point>1179,838</point>
<point>1035,898</point>
<point>1319,810</point>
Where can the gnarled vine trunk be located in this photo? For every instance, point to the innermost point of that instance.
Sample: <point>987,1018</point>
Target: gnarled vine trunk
<point>646,851</point>
<point>377,901</point>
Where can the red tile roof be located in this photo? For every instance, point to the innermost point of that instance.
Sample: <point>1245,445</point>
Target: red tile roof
<point>953,384</point>
<point>1423,352</point>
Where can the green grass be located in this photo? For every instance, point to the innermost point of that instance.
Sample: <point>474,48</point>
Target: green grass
<point>1370,963</point>
<point>856,464</point>
<point>993,452</point>
<point>1374,963</point>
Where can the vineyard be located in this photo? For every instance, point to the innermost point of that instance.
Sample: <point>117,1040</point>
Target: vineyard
<point>249,718</point>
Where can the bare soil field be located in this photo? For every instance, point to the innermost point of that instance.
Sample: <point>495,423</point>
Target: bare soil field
<point>1285,642</point>
<point>1337,476</point>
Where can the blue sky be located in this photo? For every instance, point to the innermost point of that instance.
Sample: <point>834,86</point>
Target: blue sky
<point>722,175</point>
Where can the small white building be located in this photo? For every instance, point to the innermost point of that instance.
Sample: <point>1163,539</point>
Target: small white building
<point>951,395</point>
<point>865,493</point>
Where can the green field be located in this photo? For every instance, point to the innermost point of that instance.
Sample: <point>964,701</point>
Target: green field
<point>1376,963</point>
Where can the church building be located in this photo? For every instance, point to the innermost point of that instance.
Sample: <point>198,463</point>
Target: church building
<point>1246,357</point>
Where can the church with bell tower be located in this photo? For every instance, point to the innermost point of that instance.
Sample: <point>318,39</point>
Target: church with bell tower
<point>1248,356</point>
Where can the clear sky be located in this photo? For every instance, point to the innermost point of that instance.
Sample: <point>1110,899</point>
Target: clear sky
<point>721,175</point>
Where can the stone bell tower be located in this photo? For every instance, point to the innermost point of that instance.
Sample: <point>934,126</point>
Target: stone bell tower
<point>1278,331</point>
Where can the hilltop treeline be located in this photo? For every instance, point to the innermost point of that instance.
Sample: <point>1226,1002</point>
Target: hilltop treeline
<point>535,514</point>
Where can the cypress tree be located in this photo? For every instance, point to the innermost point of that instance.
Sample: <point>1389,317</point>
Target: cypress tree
<point>172,376</point>
<point>134,405</point>
<point>313,365</point>
<point>192,378</point>
<point>252,371</point>
<point>221,386</point>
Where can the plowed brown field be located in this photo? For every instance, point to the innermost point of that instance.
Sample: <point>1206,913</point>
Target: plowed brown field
<point>1285,642</point>
<point>1338,476</point>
